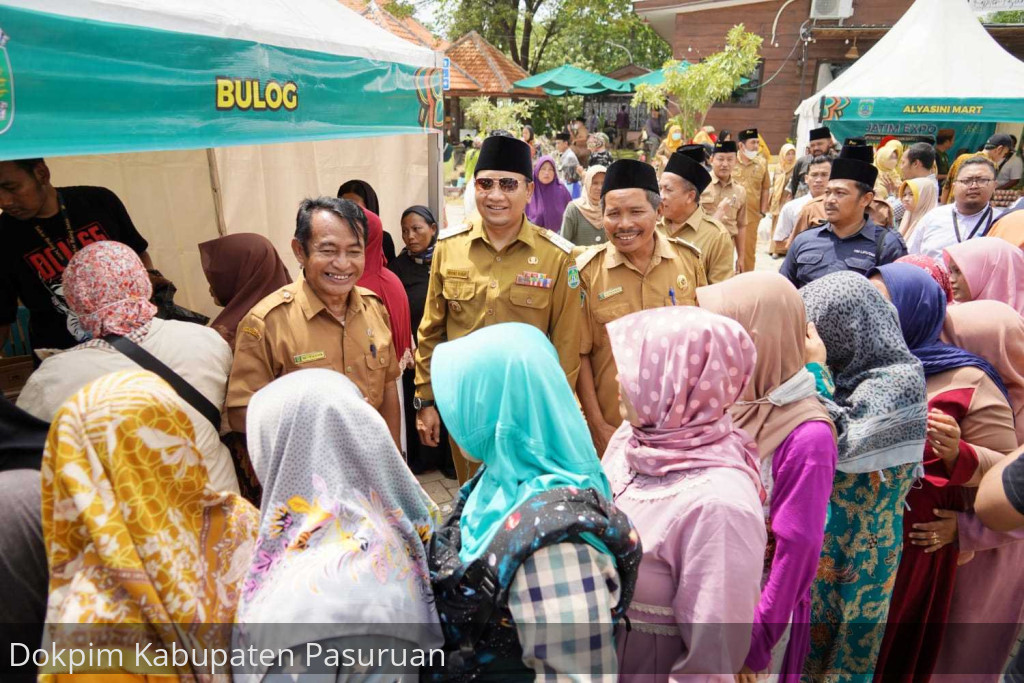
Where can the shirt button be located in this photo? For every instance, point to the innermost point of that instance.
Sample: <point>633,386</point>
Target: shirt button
<point>529,299</point>
<point>493,284</point>
<point>498,259</point>
<point>348,368</point>
<point>490,311</point>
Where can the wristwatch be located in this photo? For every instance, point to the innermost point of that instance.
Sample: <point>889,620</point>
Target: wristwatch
<point>419,404</point>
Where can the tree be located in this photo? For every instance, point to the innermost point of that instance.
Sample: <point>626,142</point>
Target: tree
<point>1012,16</point>
<point>503,115</point>
<point>696,89</point>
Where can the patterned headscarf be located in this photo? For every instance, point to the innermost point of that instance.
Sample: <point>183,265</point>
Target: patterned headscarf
<point>680,370</point>
<point>880,405</point>
<point>993,268</point>
<point>937,270</point>
<point>108,288</point>
<point>343,522</point>
<point>772,312</point>
<point>134,533</point>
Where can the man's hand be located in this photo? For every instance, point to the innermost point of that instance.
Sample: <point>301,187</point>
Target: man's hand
<point>723,206</point>
<point>428,425</point>
<point>602,434</point>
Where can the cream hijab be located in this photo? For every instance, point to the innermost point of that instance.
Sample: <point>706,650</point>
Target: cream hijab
<point>771,311</point>
<point>926,198</point>
<point>591,210</point>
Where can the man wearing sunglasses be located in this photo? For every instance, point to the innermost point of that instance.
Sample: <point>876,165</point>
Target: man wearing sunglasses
<point>638,268</point>
<point>497,267</point>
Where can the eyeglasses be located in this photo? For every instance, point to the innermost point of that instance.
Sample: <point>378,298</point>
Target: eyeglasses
<point>975,182</point>
<point>507,185</point>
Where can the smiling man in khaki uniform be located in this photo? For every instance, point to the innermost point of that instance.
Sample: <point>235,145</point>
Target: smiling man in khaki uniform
<point>322,320</point>
<point>637,269</point>
<point>752,173</point>
<point>681,185</point>
<point>497,268</point>
<point>725,200</point>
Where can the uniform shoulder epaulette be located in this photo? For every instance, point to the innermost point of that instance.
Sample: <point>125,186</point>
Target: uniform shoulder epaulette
<point>272,301</point>
<point>453,230</point>
<point>717,223</point>
<point>588,255</point>
<point>368,293</point>
<point>681,241</point>
<point>557,240</point>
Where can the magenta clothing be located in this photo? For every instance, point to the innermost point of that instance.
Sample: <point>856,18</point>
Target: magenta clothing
<point>802,471</point>
<point>989,593</point>
<point>704,537</point>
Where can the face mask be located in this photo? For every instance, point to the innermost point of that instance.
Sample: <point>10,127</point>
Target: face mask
<point>751,154</point>
<point>677,136</point>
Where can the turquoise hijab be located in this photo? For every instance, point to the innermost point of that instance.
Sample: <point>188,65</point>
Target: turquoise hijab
<point>505,400</point>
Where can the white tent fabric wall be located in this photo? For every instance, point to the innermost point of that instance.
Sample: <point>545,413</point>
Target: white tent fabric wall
<point>937,49</point>
<point>169,195</point>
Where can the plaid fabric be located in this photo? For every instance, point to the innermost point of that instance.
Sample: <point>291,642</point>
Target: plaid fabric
<point>561,602</point>
<point>898,210</point>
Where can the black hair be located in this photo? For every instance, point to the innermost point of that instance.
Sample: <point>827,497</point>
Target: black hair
<point>28,165</point>
<point>581,119</point>
<point>977,161</point>
<point>1014,139</point>
<point>863,188</point>
<point>921,152</point>
<point>943,138</point>
<point>349,212</point>
<point>724,135</point>
<point>820,159</point>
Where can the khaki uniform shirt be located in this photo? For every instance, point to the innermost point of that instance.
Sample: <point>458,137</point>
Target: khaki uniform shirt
<point>291,329</point>
<point>735,212</point>
<point>613,288</point>
<point>811,215</point>
<point>717,251</point>
<point>754,177</point>
<point>533,280</point>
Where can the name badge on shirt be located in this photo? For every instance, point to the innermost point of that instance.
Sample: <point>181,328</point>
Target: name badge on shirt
<point>531,279</point>
<point>609,293</point>
<point>309,357</point>
<point>457,273</point>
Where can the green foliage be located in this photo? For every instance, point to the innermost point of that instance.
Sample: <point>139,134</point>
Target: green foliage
<point>711,80</point>
<point>552,113</point>
<point>400,9</point>
<point>1015,16</point>
<point>505,115</point>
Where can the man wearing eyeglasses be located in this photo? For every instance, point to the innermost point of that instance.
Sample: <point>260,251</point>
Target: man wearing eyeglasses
<point>497,268</point>
<point>969,216</point>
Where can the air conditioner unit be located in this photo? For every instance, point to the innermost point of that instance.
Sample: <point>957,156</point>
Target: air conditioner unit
<point>831,9</point>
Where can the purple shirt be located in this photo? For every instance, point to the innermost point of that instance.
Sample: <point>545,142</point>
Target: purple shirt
<point>802,470</point>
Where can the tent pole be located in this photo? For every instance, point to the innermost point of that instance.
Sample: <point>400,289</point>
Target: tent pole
<point>218,205</point>
<point>435,176</point>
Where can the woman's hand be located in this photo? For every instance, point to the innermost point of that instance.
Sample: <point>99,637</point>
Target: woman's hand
<point>933,535</point>
<point>944,436</point>
<point>746,675</point>
<point>814,347</point>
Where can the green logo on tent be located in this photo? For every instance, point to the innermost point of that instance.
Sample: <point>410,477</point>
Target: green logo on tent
<point>6,86</point>
<point>865,108</point>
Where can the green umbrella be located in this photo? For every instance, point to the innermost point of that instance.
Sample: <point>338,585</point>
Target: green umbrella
<point>570,80</point>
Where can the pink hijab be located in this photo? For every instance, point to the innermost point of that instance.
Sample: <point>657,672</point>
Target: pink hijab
<point>680,369</point>
<point>993,268</point>
<point>108,288</point>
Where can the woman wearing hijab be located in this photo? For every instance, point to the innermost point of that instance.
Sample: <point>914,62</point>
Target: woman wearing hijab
<point>107,287</point>
<point>936,270</point>
<point>879,408</point>
<point>887,161</point>
<point>919,196</point>
<point>242,269</point>
<point>989,587</point>
<point>360,192</point>
<point>780,183</point>
<point>970,427</point>
<point>534,540</point>
<point>547,205</point>
<point>583,222</point>
<point>342,533</point>
<point>987,268</point>
<point>688,478</point>
<point>134,531</point>
<point>780,410</point>
<point>412,266</point>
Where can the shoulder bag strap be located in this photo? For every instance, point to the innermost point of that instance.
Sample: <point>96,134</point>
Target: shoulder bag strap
<point>150,362</point>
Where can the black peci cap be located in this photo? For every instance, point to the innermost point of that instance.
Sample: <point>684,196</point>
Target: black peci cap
<point>822,133</point>
<point>725,147</point>
<point>685,164</point>
<point>502,153</point>
<point>625,174</point>
<point>748,134</point>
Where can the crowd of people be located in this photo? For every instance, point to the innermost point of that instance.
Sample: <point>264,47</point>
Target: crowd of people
<point>672,468</point>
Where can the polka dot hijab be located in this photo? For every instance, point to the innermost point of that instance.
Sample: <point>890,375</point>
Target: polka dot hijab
<point>680,369</point>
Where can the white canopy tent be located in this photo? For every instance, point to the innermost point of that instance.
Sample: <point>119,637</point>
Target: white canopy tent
<point>937,55</point>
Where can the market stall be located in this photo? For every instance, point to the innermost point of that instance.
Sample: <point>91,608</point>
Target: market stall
<point>210,117</point>
<point>936,68</point>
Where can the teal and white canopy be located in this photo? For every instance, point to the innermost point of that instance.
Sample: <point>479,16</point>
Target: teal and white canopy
<point>106,76</point>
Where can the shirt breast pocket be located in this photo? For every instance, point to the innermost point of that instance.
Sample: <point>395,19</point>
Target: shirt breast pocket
<point>809,258</point>
<point>530,297</point>
<point>606,314</point>
<point>375,377</point>
<point>458,290</point>
<point>861,264</point>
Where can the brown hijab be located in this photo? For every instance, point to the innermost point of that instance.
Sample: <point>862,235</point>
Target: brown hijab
<point>769,308</point>
<point>994,331</point>
<point>242,269</point>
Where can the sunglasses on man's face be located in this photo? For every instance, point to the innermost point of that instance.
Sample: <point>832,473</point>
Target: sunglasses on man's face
<point>507,185</point>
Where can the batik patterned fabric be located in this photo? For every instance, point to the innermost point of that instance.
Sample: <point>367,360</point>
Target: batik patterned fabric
<point>343,522</point>
<point>134,533</point>
<point>108,288</point>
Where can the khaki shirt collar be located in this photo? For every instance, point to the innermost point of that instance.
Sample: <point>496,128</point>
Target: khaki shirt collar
<point>526,236</point>
<point>715,180</point>
<point>693,222</point>
<point>312,304</point>
<point>662,250</point>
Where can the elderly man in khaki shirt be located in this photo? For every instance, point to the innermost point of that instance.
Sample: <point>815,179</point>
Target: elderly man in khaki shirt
<point>724,199</point>
<point>637,269</point>
<point>752,173</point>
<point>323,320</point>
<point>681,185</point>
<point>497,268</point>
